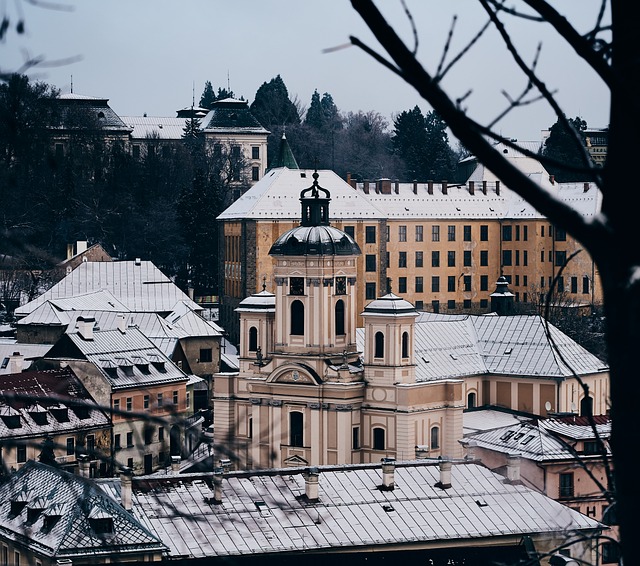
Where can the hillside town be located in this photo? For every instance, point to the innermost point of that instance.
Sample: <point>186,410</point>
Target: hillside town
<point>376,378</point>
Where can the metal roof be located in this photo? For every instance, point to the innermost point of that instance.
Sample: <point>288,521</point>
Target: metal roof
<point>267,512</point>
<point>149,128</point>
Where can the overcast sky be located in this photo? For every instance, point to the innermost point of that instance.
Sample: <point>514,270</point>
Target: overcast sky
<point>149,56</point>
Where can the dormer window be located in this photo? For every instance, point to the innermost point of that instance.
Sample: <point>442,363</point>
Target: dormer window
<point>38,414</point>
<point>101,521</point>
<point>60,413</point>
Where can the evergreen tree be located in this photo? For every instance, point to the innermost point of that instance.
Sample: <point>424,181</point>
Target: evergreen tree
<point>272,105</point>
<point>224,93</point>
<point>208,96</point>
<point>440,158</point>
<point>409,141</point>
<point>561,146</point>
<point>192,135</point>
<point>315,115</point>
<point>47,455</point>
<point>331,113</point>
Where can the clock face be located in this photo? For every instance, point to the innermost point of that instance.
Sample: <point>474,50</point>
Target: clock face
<point>341,285</point>
<point>296,286</point>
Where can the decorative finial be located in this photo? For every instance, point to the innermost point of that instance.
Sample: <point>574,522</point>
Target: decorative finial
<point>264,282</point>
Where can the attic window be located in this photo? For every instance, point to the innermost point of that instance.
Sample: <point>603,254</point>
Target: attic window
<point>101,114</point>
<point>16,507</point>
<point>518,436</point>
<point>39,417</point>
<point>49,522</point>
<point>527,440</point>
<point>81,411</point>
<point>12,421</point>
<point>5,363</point>
<point>60,413</point>
<point>262,507</point>
<point>102,525</point>
<point>507,435</point>
<point>508,351</point>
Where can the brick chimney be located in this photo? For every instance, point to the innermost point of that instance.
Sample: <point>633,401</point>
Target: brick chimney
<point>16,362</point>
<point>397,186</point>
<point>84,324</point>
<point>348,177</point>
<point>365,187</point>
<point>175,464</point>
<point>513,467</point>
<point>422,451</point>
<point>384,186</point>
<point>445,188</point>
<point>126,479</point>
<point>388,474</point>
<point>484,187</point>
<point>498,188</point>
<point>445,475</point>
<point>472,187</point>
<point>84,465</point>
<point>311,484</point>
<point>430,187</point>
<point>415,187</point>
<point>471,450</point>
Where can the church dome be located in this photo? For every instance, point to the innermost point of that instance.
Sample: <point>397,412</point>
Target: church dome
<point>390,304</point>
<point>262,301</point>
<point>315,240</point>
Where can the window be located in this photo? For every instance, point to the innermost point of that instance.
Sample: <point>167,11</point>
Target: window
<point>148,435</point>
<point>467,282</point>
<point>517,257</point>
<point>370,234</point>
<point>402,285</point>
<point>388,232</point>
<point>419,305</point>
<point>135,151</point>
<point>542,256</point>
<point>484,303</point>
<point>296,285</point>
<point>91,444</point>
<point>566,485</point>
<point>484,258</point>
<point>379,345</point>
<point>435,233</point>
<point>253,339</point>
<point>419,234</point>
<point>370,262</point>
<point>116,442</point>
<point>71,446</point>
<point>517,232</point>
<point>585,285</point>
<point>466,233</point>
<point>402,233</point>
<point>419,285</point>
<point>451,233</point>
<point>339,316</point>
<point>574,284</point>
<point>560,284</point>
<point>175,398</point>
<point>507,233</point>
<point>525,258</point>
<point>160,434</point>
<point>451,259</point>
<point>525,232</point>
<point>116,405</point>
<point>466,261</point>
<point>355,438</point>
<point>378,439</point>
<point>160,402</point>
<point>561,235</point>
<point>611,553</point>
<point>129,404</point>
<point>405,344</point>
<point>525,281</point>
<point>370,291</point>
<point>21,453</point>
<point>507,257</point>
<point>206,355</point>
<point>435,306</point>
<point>402,259</point>
<point>484,233</point>
<point>471,400</point>
<point>517,281</point>
<point>350,230</point>
<point>561,258</point>
<point>435,284</point>
<point>255,152</point>
<point>466,304</point>
<point>255,173</point>
<point>484,282</point>
<point>435,438</point>
<point>129,439</point>
<point>297,318</point>
<point>435,259</point>
<point>451,305</point>
<point>419,259</point>
<point>296,429</point>
<point>451,283</point>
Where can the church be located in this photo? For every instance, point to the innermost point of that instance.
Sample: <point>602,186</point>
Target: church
<point>313,389</point>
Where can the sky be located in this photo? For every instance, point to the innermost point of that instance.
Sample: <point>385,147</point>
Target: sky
<point>154,56</point>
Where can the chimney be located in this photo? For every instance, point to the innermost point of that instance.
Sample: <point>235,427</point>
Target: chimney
<point>217,486</point>
<point>365,187</point>
<point>552,179</point>
<point>84,324</point>
<point>586,187</point>
<point>138,261</point>
<point>415,187</point>
<point>430,187</point>
<point>311,484</point>
<point>69,251</point>
<point>83,465</point>
<point>471,450</point>
<point>513,467</point>
<point>445,475</point>
<point>16,362</point>
<point>126,479</point>
<point>484,187</point>
<point>397,185</point>
<point>388,473</point>
<point>122,322</point>
<point>81,246</point>
<point>422,450</point>
<point>175,464</point>
<point>498,188</point>
<point>472,187</point>
<point>348,177</point>
<point>385,186</point>
<point>445,188</point>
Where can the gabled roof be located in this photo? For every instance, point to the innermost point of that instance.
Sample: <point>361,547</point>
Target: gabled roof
<point>58,395</point>
<point>64,527</point>
<point>277,197</point>
<point>267,512</point>
<point>138,285</point>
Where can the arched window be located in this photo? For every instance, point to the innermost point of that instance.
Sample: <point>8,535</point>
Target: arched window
<point>586,407</point>
<point>405,344</point>
<point>471,400</point>
<point>296,428</point>
<point>435,438</point>
<point>339,317</point>
<point>379,352</point>
<point>253,339</point>
<point>297,318</point>
<point>378,439</point>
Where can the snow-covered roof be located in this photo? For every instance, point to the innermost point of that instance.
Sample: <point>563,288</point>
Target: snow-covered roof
<point>155,127</point>
<point>267,512</point>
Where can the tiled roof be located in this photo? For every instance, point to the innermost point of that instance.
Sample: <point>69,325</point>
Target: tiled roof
<point>138,285</point>
<point>33,392</point>
<point>70,503</point>
<point>263,513</point>
<point>452,346</point>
